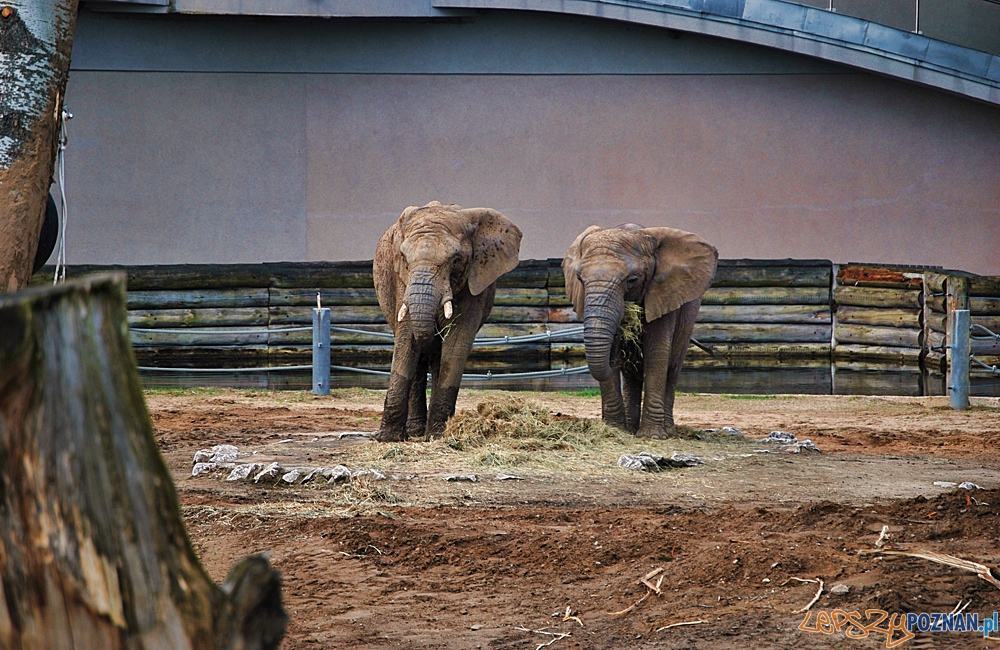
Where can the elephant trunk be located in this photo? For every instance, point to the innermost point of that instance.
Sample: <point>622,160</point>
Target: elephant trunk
<point>423,297</point>
<point>603,311</point>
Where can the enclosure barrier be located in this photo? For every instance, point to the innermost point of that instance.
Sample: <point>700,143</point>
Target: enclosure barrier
<point>968,339</point>
<point>255,321</point>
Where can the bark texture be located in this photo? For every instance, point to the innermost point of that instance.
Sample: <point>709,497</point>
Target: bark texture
<point>35,41</point>
<point>93,549</point>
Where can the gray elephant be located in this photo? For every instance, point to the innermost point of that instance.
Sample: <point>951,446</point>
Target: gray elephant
<point>664,270</point>
<point>435,275</point>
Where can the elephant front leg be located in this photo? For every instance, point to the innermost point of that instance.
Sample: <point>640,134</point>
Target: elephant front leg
<point>612,406</point>
<point>632,397</point>
<point>455,351</point>
<point>397,397</point>
<point>658,336</point>
<point>416,420</point>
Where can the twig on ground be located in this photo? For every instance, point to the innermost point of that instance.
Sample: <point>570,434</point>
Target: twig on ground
<point>568,616</point>
<point>667,627</point>
<point>884,535</point>
<point>650,589</point>
<point>556,636</point>
<point>986,573</point>
<point>960,607</point>
<point>819,592</point>
<point>632,606</point>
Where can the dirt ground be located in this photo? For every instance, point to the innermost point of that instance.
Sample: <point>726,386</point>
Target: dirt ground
<point>417,561</point>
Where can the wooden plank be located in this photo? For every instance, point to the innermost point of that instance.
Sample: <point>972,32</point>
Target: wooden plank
<point>73,272</point>
<point>985,285</point>
<point>778,262</point>
<point>556,279</point>
<point>558,298</point>
<point>990,347</point>
<point>206,317</point>
<point>761,333</point>
<point>989,322</point>
<point>529,274</point>
<point>773,353</point>
<point>203,357</point>
<point>938,322</point>
<point>563,315</point>
<point>877,336</point>
<point>198,298</point>
<point>755,275</point>
<point>875,276</point>
<point>878,317</point>
<point>297,316</point>
<point>505,314</point>
<point>766,296</point>
<point>217,337</point>
<point>878,297</point>
<point>980,306</point>
<point>899,355</point>
<point>331,296</point>
<point>519,297</point>
<point>937,304</point>
<point>196,276</point>
<point>319,275</point>
<point>935,281</point>
<point>801,314</point>
<point>936,340</point>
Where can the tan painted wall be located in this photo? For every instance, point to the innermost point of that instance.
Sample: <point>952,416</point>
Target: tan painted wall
<point>234,167</point>
<point>847,167</point>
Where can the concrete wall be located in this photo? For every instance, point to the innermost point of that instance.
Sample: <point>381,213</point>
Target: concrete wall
<point>237,140</point>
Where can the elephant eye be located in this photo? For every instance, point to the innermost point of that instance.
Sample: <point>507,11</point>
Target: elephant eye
<point>631,281</point>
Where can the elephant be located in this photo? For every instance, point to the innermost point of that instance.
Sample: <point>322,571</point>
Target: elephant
<point>435,274</point>
<point>664,270</point>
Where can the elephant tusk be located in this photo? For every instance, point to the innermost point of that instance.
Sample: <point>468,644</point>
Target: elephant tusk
<point>447,309</point>
<point>402,313</point>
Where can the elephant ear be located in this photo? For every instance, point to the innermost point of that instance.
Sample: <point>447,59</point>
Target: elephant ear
<point>685,266</point>
<point>574,289</point>
<point>386,268</point>
<point>496,242</point>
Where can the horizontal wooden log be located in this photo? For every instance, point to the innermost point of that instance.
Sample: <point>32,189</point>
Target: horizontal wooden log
<point>519,297</point>
<point>196,276</point>
<point>776,262</point>
<point>777,352</point>
<point>987,347</point>
<point>205,317</point>
<point>877,297</point>
<point>792,314</point>
<point>877,336</point>
<point>761,333</point>
<point>935,281</point>
<point>203,357</point>
<point>766,296</point>
<point>989,322</point>
<point>298,316</point>
<point>529,274</point>
<point>755,275</point>
<point>937,304</point>
<point>875,276</point>
<point>878,317</point>
<point>898,355</point>
<point>985,285</point>
<point>876,378</point>
<point>563,315</point>
<point>557,298</point>
<point>505,314</point>
<point>935,340</point>
<point>556,279</point>
<point>980,306</point>
<point>217,337</point>
<point>330,296</point>
<point>317,275</point>
<point>935,362</point>
<point>199,298</point>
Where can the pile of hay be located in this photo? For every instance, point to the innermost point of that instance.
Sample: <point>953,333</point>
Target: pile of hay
<point>506,427</point>
<point>629,356</point>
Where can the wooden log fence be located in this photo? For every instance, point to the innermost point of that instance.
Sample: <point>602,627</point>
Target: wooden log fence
<point>757,313</point>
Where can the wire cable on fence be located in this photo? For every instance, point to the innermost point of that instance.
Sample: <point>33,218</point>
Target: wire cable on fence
<point>540,374</point>
<point>495,340</point>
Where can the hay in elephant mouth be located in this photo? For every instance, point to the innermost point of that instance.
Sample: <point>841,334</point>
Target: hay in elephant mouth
<point>629,355</point>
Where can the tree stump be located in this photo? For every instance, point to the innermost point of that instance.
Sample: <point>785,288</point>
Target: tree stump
<point>93,549</point>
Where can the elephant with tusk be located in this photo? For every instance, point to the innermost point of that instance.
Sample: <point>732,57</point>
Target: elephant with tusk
<point>435,275</point>
<point>666,272</point>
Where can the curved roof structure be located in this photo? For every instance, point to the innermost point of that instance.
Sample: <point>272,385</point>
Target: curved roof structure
<point>788,26</point>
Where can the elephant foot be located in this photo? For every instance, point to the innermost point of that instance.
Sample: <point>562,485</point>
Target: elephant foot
<point>618,423</point>
<point>434,432</point>
<point>390,434</point>
<point>415,429</point>
<point>658,432</point>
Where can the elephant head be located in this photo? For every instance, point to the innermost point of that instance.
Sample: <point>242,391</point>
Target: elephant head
<point>437,252</point>
<point>659,268</point>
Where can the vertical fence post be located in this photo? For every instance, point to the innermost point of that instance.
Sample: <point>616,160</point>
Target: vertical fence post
<point>321,351</point>
<point>958,369</point>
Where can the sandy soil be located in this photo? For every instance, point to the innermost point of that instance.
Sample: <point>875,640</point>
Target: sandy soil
<point>416,561</point>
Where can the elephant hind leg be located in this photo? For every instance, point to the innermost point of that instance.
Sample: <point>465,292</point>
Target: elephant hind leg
<point>632,396</point>
<point>686,317</point>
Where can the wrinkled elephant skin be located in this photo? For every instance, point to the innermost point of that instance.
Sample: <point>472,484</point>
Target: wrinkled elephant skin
<point>664,270</point>
<point>435,275</point>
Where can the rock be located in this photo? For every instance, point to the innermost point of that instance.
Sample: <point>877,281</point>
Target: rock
<point>799,446</point>
<point>337,474</point>
<point>781,438</point>
<point>291,476</point>
<point>945,484</point>
<point>680,459</point>
<point>217,454</point>
<point>471,478</point>
<point>644,462</point>
<point>969,485</point>
<point>202,468</point>
<point>509,477</point>
<point>374,473</point>
<point>312,474</point>
<point>242,472</point>
<point>722,433</point>
<point>840,589</point>
<point>272,471</point>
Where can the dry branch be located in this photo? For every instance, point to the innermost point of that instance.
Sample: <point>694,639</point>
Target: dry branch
<point>988,574</point>
<point>667,627</point>
<point>819,592</point>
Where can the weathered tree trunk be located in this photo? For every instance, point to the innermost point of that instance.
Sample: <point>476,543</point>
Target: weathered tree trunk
<point>35,41</point>
<point>93,550</point>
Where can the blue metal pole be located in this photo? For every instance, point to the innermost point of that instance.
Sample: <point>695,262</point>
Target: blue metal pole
<point>321,351</point>
<point>961,351</point>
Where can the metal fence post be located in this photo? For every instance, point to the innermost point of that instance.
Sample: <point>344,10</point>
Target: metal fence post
<point>321,351</point>
<point>958,368</point>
